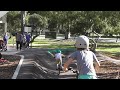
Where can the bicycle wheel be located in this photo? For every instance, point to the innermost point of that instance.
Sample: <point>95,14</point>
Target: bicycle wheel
<point>93,45</point>
<point>59,69</point>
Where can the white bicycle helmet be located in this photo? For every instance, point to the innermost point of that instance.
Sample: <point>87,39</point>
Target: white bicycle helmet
<point>82,42</point>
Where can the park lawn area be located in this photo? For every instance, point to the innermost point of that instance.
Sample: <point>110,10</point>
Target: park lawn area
<point>36,41</point>
<point>64,44</point>
<point>12,40</point>
<point>112,52</point>
<point>44,41</point>
<point>110,49</point>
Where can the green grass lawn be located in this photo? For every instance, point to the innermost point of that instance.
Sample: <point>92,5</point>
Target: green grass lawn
<point>11,40</point>
<point>112,49</point>
<point>53,44</point>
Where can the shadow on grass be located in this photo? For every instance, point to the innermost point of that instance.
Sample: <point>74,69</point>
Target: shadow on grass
<point>117,54</point>
<point>54,46</point>
<point>108,45</point>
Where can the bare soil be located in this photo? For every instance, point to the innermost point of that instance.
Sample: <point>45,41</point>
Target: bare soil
<point>107,70</point>
<point>7,69</point>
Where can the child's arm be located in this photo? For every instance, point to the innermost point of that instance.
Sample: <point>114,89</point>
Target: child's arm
<point>97,66</point>
<point>66,64</point>
<point>97,63</point>
<point>51,54</point>
<point>96,60</point>
<point>62,55</point>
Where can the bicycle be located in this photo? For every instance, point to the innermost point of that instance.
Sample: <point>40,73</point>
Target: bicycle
<point>93,42</point>
<point>77,74</point>
<point>60,68</point>
<point>74,71</point>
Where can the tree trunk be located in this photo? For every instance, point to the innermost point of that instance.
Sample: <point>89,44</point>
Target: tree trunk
<point>117,39</point>
<point>66,35</point>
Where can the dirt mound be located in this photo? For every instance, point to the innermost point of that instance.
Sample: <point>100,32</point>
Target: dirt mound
<point>7,69</point>
<point>43,67</point>
<point>108,70</point>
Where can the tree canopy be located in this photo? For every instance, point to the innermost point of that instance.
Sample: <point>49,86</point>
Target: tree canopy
<point>104,22</point>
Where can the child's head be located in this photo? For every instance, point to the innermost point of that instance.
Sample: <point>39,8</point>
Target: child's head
<point>58,51</point>
<point>82,42</point>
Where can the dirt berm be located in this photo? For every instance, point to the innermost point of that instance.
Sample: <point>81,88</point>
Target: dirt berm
<point>38,64</point>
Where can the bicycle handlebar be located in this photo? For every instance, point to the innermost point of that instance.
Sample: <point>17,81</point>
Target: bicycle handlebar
<point>74,71</point>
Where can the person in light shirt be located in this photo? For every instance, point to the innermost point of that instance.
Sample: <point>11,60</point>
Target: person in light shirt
<point>57,54</point>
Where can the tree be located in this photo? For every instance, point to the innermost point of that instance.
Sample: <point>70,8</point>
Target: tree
<point>37,22</point>
<point>14,21</point>
<point>104,22</point>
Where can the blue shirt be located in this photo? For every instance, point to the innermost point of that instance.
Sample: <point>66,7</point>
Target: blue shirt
<point>28,37</point>
<point>84,62</point>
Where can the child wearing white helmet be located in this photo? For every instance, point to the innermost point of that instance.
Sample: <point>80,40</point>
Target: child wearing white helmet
<point>85,59</point>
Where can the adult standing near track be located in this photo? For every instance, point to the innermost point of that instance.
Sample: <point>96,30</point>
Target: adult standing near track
<point>28,37</point>
<point>19,40</point>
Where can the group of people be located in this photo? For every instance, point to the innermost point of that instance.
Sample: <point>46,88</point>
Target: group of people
<point>85,59</point>
<point>22,40</point>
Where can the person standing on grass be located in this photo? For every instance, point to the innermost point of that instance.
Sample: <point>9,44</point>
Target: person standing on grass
<point>85,59</point>
<point>27,39</point>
